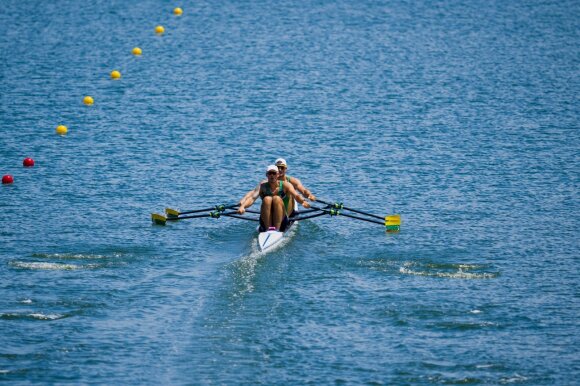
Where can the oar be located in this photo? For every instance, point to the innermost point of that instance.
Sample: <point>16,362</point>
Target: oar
<point>253,211</point>
<point>159,219</point>
<point>312,209</point>
<point>300,217</point>
<point>175,213</point>
<point>236,215</point>
<point>391,222</point>
<point>339,206</point>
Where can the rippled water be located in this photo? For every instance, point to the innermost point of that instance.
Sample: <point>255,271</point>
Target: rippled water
<point>461,116</point>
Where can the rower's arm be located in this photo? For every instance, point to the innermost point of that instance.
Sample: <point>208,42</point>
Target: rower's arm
<point>248,196</point>
<point>302,189</point>
<point>289,189</point>
<point>251,192</point>
<point>249,199</point>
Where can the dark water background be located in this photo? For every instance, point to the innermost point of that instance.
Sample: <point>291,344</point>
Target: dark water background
<point>460,115</point>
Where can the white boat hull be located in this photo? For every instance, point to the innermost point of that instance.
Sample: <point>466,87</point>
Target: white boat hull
<point>267,240</point>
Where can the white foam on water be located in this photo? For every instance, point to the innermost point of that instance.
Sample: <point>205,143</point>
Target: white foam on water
<point>247,267</point>
<point>40,316</point>
<point>72,256</point>
<point>26,301</point>
<point>516,378</point>
<point>247,264</point>
<point>51,266</point>
<point>470,266</point>
<point>34,315</point>
<point>460,274</point>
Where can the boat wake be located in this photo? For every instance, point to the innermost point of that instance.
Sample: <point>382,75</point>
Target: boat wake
<point>245,267</point>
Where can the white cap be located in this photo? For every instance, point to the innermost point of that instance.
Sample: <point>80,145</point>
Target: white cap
<point>281,162</point>
<point>272,168</point>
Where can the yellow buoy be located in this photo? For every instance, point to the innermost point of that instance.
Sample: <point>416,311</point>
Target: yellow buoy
<point>178,11</point>
<point>88,100</point>
<point>137,51</point>
<point>115,74</point>
<point>159,30</point>
<point>61,129</point>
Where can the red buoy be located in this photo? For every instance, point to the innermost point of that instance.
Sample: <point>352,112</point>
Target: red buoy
<point>7,179</point>
<point>28,162</point>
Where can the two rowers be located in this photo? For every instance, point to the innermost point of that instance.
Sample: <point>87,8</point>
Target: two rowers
<point>278,193</point>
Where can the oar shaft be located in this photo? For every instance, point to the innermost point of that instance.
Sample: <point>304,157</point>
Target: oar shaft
<point>352,210</point>
<point>300,217</point>
<point>230,206</point>
<point>339,213</point>
<point>313,209</point>
<point>360,218</point>
<point>186,217</point>
<point>228,214</point>
<point>241,217</point>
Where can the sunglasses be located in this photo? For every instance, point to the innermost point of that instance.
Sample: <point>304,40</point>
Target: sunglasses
<point>282,167</point>
<point>271,173</point>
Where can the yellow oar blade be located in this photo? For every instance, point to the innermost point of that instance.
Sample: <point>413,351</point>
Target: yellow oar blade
<point>158,219</point>
<point>171,213</point>
<point>393,223</point>
<point>394,219</point>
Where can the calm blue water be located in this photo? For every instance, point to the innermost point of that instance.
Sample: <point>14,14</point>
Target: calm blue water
<point>461,116</point>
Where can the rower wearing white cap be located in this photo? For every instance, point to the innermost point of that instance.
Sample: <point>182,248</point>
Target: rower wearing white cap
<point>273,192</point>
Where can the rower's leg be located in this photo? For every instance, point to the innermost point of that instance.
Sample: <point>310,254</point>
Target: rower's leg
<point>278,211</point>
<point>265,211</point>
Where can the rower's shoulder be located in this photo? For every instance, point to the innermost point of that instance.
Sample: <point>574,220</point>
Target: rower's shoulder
<point>287,184</point>
<point>293,180</point>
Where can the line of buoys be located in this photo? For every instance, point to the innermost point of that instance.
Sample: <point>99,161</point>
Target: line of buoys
<point>88,100</point>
